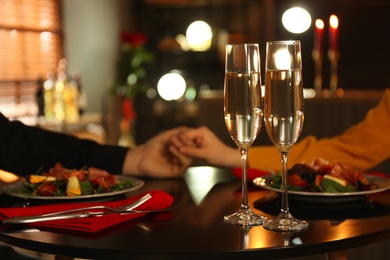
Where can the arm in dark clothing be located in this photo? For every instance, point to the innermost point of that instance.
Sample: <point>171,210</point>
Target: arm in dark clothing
<point>25,149</point>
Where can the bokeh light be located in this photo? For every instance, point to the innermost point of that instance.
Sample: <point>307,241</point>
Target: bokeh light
<point>199,36</point>
<point>171,86</point>
<point>182,40</point>
<point>296,20</point>
<point>282,59</point>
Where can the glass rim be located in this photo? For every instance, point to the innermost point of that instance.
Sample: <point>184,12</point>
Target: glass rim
<point>243,44</point>
<point>284,42</point>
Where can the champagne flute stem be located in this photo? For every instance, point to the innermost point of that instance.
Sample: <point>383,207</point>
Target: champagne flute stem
<point>244,183</point>
<point>284,207</point>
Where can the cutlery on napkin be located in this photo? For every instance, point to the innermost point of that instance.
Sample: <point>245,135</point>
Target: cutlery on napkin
<point>159,200</point>
<point>83,212</point>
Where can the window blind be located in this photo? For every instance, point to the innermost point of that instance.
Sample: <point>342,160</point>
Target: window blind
<point>30,44</point>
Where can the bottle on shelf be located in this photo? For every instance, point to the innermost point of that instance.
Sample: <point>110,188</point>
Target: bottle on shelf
<point>82,95</point>
<point>61,96</point>
<point>49,96</point>
<point>39,96</point>
<point>60,91</point>
<point>71,99</point>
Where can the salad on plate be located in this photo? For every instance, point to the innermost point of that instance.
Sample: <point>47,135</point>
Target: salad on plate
<point>321,176</point>
<point>61,181</point>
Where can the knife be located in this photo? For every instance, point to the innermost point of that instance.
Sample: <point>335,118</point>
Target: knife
<point>86,214</point>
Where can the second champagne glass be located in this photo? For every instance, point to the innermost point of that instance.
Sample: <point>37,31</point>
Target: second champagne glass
<point>243,114</point>
<point>283,116</point>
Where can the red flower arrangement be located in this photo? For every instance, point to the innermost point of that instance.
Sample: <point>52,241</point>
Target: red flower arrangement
<point>131,72</point>
<point>131,78</point>
<point>134,39</point>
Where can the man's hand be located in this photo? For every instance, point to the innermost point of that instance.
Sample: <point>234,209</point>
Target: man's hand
<point>158,158</point>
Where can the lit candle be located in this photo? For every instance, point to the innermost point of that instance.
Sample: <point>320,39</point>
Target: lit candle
<point>318,35</point>
<point>333,33</point>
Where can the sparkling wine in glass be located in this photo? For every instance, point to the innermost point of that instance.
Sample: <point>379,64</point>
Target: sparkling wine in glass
<point>283,116</point>
<point>243,114</point>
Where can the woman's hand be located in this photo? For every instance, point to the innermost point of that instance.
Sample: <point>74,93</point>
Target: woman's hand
<point>202,143</point>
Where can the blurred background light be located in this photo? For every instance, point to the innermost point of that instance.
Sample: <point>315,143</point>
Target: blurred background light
<point>334,21</point>
<point>199,36</point>
<point>320,24</point>
<point>296,20</point>
<point>190,94</point>
<point>151,93</point>
<point>171,86</point>
<point>182,40</point>
<point>282,59</point>
<point>13,34</point>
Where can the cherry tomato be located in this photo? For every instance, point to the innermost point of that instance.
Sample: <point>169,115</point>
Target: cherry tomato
<point>46,189</point>
<point>318,179</point>
<point>101,182</point>
<point>296,180</point>
<point>80,174</point>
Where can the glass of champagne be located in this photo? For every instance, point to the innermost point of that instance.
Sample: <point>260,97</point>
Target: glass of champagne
<point>283,116</point>
<point>243,114</point>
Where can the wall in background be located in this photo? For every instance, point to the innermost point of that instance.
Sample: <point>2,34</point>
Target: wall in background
<point>91,29</point>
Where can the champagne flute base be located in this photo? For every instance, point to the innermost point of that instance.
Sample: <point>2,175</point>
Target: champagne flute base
<point>245,217</point>
<point>285,223</point>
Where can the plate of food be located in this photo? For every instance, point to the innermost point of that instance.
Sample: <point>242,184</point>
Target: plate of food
<point>60,183</point>
<point>326,183</point>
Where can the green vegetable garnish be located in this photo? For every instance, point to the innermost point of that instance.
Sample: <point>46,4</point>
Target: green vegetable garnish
<point>332,186</point>
<point>123,185</point>
<point>86,187</point>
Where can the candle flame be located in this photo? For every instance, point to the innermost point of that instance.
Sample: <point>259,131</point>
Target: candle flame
<point>320,24</point>
<point>334,21</point>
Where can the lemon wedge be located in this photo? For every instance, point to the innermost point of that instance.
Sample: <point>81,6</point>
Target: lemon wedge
<point>73,187</point>
<point>40,178</point>
<point>7,177</point>
<point>335,179</point>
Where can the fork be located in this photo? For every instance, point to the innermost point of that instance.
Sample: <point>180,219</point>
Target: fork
<point>83,214</point>
<point>121,209</point>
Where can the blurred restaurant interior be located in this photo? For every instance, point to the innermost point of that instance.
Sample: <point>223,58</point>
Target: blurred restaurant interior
<point>116,55</point>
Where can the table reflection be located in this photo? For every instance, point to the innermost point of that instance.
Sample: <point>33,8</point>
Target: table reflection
<point>195,226</point>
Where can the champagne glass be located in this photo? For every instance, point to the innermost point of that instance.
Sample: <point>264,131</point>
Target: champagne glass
<point>243,114</point>
<point>283,116</point>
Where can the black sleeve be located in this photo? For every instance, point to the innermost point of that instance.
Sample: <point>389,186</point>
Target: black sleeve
<point>24,150</point>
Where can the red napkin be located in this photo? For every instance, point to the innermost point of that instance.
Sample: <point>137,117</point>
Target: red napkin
<point>251,173</point>
<point>159,200</point>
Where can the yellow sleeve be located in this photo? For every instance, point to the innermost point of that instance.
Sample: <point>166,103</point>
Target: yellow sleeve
<point>362,146</point>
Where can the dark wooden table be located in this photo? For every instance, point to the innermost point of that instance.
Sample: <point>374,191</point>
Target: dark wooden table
<point>195,227</point>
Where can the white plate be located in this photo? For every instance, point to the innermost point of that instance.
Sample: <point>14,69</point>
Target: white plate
<point>327,197</point>
<point>13,189</point>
